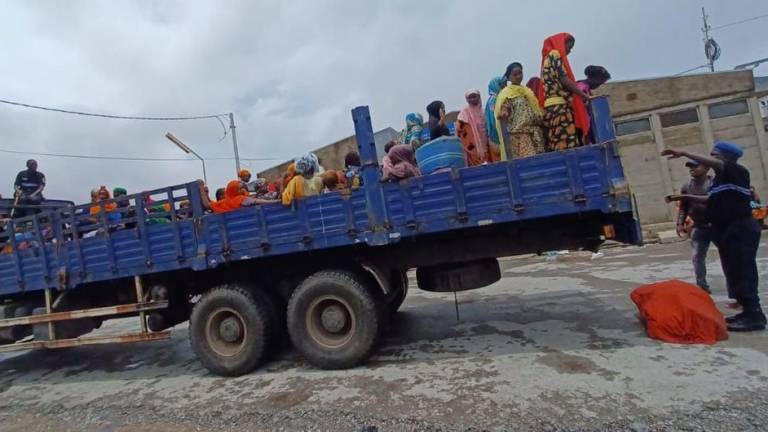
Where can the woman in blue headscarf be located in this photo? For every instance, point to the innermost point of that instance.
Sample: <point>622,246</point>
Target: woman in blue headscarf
<point>411,135</point>
<point>494,88</point>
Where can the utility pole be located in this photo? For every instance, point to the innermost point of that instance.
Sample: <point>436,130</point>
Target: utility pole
<point>234,142</point>
<point>707,40</point>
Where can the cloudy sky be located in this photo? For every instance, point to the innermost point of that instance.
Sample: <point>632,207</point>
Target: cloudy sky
<point>291,71</point>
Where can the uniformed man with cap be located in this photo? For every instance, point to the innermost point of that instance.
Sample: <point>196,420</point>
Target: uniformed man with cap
<point>735,233</point>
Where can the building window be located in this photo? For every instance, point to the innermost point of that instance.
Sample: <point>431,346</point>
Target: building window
<point>678,118</point>
<point>629,127</point>
<point>728,109</point>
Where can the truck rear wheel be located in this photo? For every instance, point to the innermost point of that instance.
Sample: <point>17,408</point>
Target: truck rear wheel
<point>334,319</point>
<point>231,330</point>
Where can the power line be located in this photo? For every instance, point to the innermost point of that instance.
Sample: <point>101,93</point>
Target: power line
<point>121,117</point>
<point>129,158</point>
<point>740,22</point>
<point>112,116</point>
<point>692,69</point>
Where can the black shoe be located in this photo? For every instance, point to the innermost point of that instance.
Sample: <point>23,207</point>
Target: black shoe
<point>747,323</point>
<point>734,318</point>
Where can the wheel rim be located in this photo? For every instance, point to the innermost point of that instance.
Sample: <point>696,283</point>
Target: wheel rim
<point>331,322</point>
<point>226,332</point>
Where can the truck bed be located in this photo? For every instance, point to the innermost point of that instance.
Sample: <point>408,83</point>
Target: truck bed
<point>586,180</point>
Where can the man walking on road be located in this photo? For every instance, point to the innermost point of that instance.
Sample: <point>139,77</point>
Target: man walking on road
<point>28,189</point>
<point>735,233</point>
<point>700,232</point>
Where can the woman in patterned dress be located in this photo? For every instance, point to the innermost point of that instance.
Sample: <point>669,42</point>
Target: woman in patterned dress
<point>565,115</point>
<point>519,119</point>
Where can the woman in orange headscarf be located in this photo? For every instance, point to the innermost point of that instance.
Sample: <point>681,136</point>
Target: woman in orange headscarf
<point>235,199</point>
<point>565,114</point>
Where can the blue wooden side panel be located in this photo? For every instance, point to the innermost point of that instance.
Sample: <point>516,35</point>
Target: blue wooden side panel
<point>546,185</point>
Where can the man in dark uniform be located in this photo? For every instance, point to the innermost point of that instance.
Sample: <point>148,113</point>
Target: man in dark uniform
<point>28,188</point>
<point>735,233</point>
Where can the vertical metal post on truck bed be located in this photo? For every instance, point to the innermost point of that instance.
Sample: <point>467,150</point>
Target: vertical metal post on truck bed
<point>374,197</point>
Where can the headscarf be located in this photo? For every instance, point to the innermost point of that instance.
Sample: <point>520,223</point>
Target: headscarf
<point>334,180</point>
<point>290,172</point>
<point>433,109</point>
<point>557,43</point>
<point>413,126</point>
<point>233,198</point>
<point>306,165</point>
<point>535,85</point>
<point>473,115</point>
<point>494,87</point>
<point>403,163</point>
<point>120,191</point>
<point>510,68</point>
<point>108,207</point>
<point>243,173</point>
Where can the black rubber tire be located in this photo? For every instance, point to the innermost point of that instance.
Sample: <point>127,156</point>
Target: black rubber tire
<point>399,292</point>
<point>257,320</point>
<point>364,309</point>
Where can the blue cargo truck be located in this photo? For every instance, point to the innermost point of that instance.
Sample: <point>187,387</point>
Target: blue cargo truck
<point>328,272</point>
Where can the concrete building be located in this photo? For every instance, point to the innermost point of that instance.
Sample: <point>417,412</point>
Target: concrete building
<point>688,112</point>
<point>332,155</point>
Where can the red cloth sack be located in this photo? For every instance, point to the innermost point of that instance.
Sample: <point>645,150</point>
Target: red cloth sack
<point>679,312</point>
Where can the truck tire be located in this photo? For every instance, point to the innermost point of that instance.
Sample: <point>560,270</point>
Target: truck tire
<point>399,291</point>
<point>231,330</point>
<point>334,319</point>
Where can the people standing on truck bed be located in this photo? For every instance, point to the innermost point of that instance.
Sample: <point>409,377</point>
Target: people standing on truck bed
<point>692,220</point>
<point>596,77</point>
<point>494,88</point>
<point>28,189</point>
<point>411,135</point>
<point>565,114</point>
<point>470,128</point>
<point>437,123</point>
<point>735,233</point>
<point>518,118</point>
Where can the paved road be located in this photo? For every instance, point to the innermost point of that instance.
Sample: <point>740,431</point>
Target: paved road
<point>553,345</point>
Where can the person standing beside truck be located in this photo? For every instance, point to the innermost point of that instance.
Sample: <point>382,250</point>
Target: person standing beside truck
<point>28,189</point>
<point>700,231</point>
<point>735,233</point>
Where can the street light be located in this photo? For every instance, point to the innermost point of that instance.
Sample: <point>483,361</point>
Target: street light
<point>187,150</point>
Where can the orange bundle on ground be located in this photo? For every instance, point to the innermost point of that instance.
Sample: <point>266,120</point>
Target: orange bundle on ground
<point>679,312</point>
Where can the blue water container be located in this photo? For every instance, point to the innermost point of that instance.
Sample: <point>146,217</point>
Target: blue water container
<point>602,121</point>
<point>442,153</point>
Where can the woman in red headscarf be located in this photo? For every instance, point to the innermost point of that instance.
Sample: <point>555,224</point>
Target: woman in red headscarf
<point>565,114</point>
<point>235,199</point>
